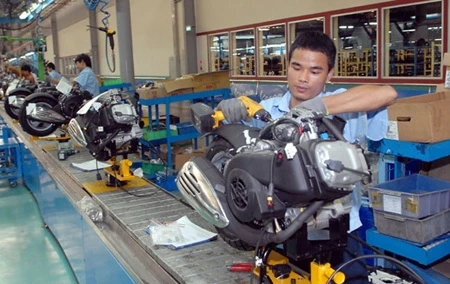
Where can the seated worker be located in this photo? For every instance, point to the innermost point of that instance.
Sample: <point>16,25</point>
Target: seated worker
<point>86,79</point>
<point>310,66</point>
<point>50,68</point>
<point>25,71</point>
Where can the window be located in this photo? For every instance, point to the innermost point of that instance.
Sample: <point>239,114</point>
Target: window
<point>243,53</point>
<point>68,66</point>
<point>413,37</point>
<point>303,26</point>
<point>355,38</point>
<point>272,50</point>
<point>219,52</point>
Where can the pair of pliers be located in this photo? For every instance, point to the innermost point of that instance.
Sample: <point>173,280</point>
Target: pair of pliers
<point>240,267</point>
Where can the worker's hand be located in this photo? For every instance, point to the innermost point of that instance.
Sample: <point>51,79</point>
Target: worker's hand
<point>233,110</point>
<point>315,104</point>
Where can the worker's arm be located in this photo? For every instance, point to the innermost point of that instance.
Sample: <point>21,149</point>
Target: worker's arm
<point>361,98</point>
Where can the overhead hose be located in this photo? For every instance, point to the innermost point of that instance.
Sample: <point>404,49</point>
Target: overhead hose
<point>107,14</point>
<point>91,4</point>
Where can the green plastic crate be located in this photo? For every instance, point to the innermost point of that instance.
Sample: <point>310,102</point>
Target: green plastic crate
<point>149,134</point>
<point>150,168</point>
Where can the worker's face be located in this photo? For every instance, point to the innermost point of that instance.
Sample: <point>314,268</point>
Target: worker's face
<point>80,65</point>
<point>25,73</point>
<point>307,75</point>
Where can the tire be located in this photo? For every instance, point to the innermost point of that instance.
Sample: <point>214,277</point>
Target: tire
<point>215,154</point>
<point>33,127</point>
<point>12,111</point>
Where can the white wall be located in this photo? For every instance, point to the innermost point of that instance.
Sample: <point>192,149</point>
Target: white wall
<point>220,14</point>
<point>152,36</point>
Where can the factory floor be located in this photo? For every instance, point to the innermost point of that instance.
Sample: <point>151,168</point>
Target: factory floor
<point>30,253</point>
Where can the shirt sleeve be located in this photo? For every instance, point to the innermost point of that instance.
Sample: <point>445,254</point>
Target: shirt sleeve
<point>81,79</point>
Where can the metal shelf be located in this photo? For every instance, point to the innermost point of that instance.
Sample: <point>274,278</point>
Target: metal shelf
<point>172,99</point>
<point>423,254</point>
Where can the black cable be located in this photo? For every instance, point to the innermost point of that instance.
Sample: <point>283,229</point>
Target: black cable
<point>99,176</point>
<point>365,244</point>
<point>401,266</point>
<point>256,255</point>
<point>118,185</point>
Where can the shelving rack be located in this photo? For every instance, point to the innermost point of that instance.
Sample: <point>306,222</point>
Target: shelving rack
<point>167,101</point>
<point>358,62</point>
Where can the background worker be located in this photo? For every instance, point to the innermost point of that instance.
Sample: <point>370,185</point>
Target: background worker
<point>310,66</point>
<point>86,79</point>
<point>50,68</point>
<point>25,72</point>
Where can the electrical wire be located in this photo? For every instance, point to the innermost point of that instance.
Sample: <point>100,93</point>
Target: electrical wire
<point>117,184</point>
<point>401,266</point>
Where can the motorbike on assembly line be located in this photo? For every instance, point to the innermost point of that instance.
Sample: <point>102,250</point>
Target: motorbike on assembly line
<point>265,186</point>
<point>43,112</point>
<point>107,125</point>
<point>18,91</point>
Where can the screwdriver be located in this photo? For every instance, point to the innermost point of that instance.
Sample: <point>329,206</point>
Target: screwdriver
<point>240,267</point>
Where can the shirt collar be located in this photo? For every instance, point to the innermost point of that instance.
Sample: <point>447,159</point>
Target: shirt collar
<point>283,103</point>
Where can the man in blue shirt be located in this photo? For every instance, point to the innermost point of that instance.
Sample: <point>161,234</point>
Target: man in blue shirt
<point>50,67</point>
<point>86,79</point>
<point>310,66</point>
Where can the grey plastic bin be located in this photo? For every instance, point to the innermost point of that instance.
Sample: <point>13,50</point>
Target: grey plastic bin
<point>415,196</point>
<point>414,230</point>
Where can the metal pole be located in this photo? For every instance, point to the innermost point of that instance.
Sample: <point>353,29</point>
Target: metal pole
<point>191,36</point>
<point>125,41</point>
<point>55,42</point>
<point>176,42</point>
<point>94,42</point>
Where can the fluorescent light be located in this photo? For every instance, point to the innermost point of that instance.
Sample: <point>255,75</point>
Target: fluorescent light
<point>409,30</point>
<point>12,59</point>
<point>29,53</point>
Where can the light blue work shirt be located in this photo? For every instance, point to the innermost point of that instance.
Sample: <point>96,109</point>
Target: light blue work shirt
<point>55,75</point>
<point>88,81</point>
<point>359,126</point>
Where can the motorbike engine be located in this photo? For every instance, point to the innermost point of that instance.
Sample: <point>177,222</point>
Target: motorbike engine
<point>107,123</point>
<point>298,161</point>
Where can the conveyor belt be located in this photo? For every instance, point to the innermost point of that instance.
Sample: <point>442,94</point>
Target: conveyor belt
<point>127,216</point>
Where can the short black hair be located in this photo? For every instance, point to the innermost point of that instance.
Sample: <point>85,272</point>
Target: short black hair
<point>51,65</point>
<point>315,41</point>
<point>84,57</point>
<point>25,67</point>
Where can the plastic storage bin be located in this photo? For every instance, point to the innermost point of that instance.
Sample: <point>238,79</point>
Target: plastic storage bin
<point>151,168</point>
<point>415,230</point>
<point>166,180</point>
<point>414,196</point>
<point>185,128</point>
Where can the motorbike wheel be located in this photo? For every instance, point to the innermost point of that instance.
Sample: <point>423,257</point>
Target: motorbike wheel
<point>12,111</point>
<point>216,154</point>
<point>33,127</point>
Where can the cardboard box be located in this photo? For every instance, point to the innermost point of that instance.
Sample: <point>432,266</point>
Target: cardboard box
<point>446,60</point>
<point>441,88</point>
<point>181,158</point>
<point>197,82</point>
<point>151,93</point>
<point>211,80</point>
<point>177,84</point>
<point>182,154</point>
<point>422,118</point>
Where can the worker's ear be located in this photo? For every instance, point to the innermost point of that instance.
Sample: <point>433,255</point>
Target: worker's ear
<point>330,74</point>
